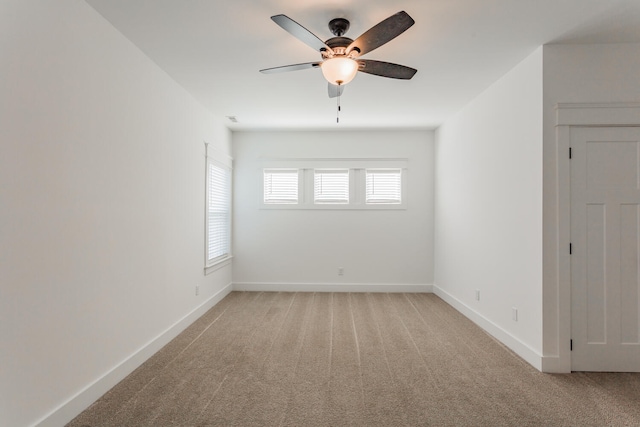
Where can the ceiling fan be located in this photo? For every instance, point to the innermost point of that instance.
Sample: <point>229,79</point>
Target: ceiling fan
<point>341,55</point>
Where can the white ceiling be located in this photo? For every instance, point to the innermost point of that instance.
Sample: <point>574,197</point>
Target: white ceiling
<point>214,49</point>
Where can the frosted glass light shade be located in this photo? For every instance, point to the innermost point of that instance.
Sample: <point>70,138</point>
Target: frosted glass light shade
<point>340,70</point>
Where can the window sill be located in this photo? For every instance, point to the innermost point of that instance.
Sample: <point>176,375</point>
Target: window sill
<point>217,265</point>
<point>336,206</point>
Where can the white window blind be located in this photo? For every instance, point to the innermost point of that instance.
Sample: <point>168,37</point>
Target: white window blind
<point>281,186</point>
<point>218,212</point>
<point>331,186</point>
<point>384,186</point>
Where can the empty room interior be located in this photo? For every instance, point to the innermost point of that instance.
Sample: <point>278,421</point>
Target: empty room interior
<point>176,171</point>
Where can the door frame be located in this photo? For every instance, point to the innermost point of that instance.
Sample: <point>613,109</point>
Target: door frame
<point>570,115</point>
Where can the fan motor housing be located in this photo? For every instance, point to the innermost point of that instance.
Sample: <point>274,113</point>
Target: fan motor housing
<point>337,42</point>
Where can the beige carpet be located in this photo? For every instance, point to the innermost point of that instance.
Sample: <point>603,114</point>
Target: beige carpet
<point>337,359</point>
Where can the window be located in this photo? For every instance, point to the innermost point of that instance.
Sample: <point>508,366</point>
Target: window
<point>218,221</point>
<point>281,186</point>
<point>383,186</point>
<point>331,186</point>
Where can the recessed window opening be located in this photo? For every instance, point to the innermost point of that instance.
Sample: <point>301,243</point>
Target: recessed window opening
<point>281,186</point>
<point>331,186</point>
<point>218,213</point>
<point>383,186</point>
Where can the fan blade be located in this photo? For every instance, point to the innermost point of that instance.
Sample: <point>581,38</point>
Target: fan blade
<point>300,32</point>
<point>382,33</point>
<point>386,69</point>
<point>335,90</point>
<point>294,67</point>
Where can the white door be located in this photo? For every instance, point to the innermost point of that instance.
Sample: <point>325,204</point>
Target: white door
<point>605,237</point>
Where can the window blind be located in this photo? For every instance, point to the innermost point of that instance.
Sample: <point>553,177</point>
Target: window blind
<point>384,186</point>
<point>218,212</point>
<point>281,186</point>
<point>331,186</point>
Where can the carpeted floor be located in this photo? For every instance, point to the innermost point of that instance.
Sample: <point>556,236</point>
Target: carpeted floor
<point>337,359</point>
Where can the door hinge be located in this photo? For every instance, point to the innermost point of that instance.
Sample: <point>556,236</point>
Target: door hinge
<point>571,345</point>
<point>570,154</point>
<point>570,249</point>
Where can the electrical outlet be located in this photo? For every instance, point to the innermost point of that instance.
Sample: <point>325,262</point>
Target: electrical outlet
<point>477,294</point>
<point>514,314</point>
<point>340,271</point>
<point>197,290</point>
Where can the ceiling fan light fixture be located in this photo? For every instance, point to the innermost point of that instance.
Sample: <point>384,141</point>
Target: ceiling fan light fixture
<point>339,70</point>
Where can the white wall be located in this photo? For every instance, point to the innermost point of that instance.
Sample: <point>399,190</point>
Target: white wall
<point>282,249</point>
<point>605,73</point>
<point>488,221</point>
<point>101,209</point>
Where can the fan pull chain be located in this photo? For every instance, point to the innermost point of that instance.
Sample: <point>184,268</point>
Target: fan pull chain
<point>338,102</point>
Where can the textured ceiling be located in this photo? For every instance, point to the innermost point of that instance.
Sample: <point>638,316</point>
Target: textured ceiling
<point>215,48</point>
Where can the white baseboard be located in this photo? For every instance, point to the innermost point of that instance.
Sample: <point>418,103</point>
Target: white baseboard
<point>521,349</point>
<point>332,287</point>
<point>556,365</point>
<point>78,403</point>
